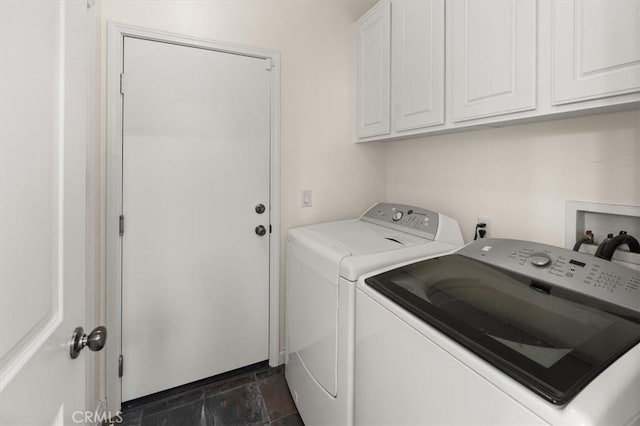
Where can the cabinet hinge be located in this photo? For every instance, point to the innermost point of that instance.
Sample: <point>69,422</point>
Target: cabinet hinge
<point>121,225</point>
<point>122,83</point>
<point>269,228</point>
<point>120,365</point>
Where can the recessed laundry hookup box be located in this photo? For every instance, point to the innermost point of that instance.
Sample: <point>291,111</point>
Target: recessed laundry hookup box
<point>602,219</point>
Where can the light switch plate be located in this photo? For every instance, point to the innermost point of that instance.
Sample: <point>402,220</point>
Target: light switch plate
<point>306,198</point>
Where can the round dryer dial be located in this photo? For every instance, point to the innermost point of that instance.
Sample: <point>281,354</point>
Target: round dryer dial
<point>397,215</point>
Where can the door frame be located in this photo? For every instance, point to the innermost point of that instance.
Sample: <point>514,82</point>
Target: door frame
<point>114,129</point>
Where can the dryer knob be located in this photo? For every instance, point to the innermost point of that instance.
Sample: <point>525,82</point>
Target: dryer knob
<point>397,216</point>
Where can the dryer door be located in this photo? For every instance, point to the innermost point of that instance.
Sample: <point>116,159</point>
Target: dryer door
<point>312,305</point>
<point>550,344</point>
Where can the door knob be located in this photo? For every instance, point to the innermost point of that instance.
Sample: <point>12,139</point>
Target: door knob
<point>260,208</point>
<point>95,341</point>
<point>261,230</point>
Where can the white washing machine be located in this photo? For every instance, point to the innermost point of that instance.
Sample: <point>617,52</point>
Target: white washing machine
<point>502,332</point>
<point>323,263</point>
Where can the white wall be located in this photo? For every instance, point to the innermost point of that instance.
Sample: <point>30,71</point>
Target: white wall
<point>317,95</point>
<point>520,176</point>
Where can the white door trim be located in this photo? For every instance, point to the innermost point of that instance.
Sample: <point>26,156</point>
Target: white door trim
<point>115,43</point>
<point>92,315</point>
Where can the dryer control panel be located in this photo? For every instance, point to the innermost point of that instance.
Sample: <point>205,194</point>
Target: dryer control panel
<point>412,220</point>
<point>562,268</point>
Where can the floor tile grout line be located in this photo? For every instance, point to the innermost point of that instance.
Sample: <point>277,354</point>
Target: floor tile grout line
<point>282,417</point>
<point>264,406</point>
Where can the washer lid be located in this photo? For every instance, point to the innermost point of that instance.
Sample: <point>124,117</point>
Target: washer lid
<point>553,342</point>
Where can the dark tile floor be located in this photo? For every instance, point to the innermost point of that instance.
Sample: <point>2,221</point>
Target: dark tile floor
<point>257,397</point>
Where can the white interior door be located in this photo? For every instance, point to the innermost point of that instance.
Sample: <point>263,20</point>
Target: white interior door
<point>43,130</point>
<point>195,274</point>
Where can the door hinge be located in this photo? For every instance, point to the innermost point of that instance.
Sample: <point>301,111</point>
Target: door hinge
<point>268,64</point>
<point>121,225</point>
<point>269,228</point>
<point>122,83</point>
<point>120,365</point>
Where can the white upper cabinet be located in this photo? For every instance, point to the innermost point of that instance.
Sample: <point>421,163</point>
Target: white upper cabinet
<point>374,72</point>
<point>492,57</point>
<point>417,66</point>
<point>596,49</point>
<point>436,66</point>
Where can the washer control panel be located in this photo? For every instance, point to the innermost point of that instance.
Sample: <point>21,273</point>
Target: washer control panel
<point>561,267</point>
<point>412,220</point>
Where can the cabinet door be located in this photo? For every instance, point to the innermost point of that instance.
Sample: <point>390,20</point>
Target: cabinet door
<point>417,64</point>
<point>492,57</point>
<point>596,49</point>
<point>374,71</point>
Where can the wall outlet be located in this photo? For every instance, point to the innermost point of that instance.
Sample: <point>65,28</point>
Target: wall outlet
<point>487,228</point>
<point>306,198</point>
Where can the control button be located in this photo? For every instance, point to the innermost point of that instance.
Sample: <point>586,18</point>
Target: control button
<point>397,216</point>
<point>539,259</point>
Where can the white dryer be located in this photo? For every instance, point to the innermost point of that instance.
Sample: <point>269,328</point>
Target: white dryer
<point>502,332</point>
<point>324,262</point>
